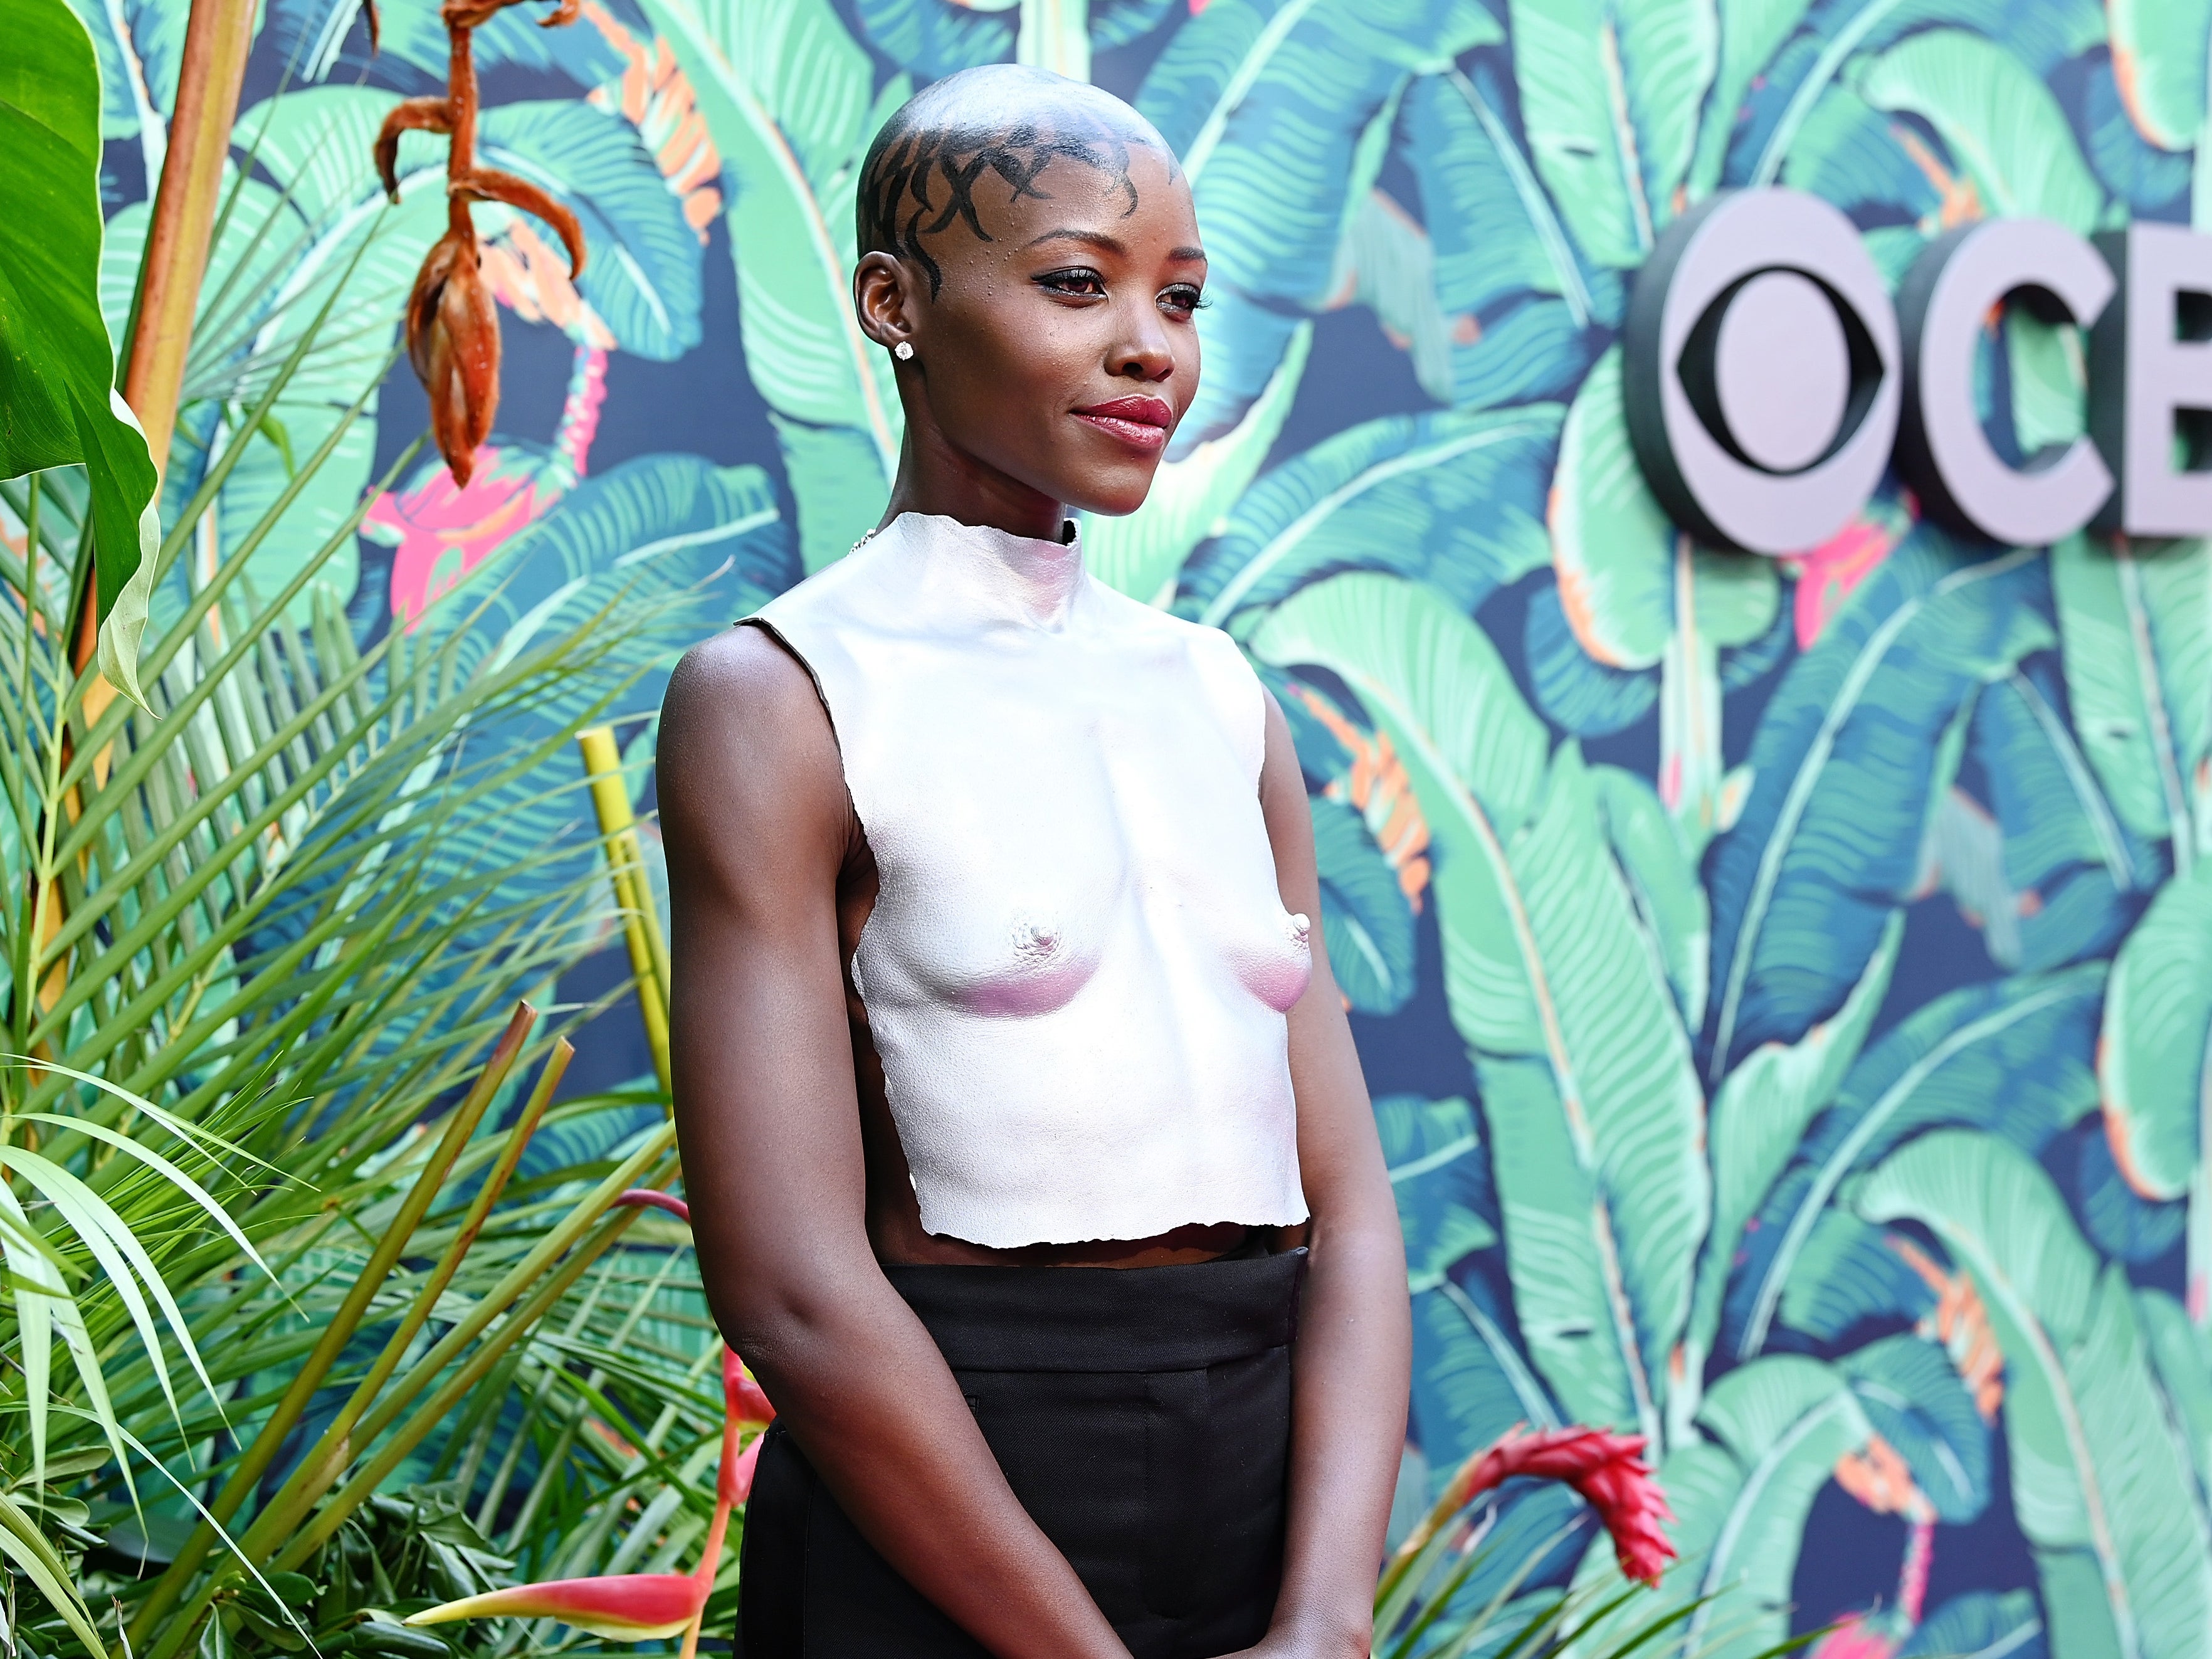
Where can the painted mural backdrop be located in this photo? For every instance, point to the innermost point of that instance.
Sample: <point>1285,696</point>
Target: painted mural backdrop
<point>1786,984</point>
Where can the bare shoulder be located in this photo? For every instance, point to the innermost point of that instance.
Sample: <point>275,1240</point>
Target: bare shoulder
<point>744,744</point>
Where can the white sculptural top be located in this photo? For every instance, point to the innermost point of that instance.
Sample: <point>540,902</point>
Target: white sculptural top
<point>1078,966</point>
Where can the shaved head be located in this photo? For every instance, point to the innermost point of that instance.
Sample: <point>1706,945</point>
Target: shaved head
<point>996,127</point>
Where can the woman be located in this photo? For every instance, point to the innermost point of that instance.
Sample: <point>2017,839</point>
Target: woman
<point>1020,1119</point>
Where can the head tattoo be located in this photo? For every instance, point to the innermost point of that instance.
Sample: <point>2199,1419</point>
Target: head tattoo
<point>999,122</point>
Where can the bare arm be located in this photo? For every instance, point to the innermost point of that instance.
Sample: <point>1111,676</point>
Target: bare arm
<point>1352,1365</point>
<point>756,820</point>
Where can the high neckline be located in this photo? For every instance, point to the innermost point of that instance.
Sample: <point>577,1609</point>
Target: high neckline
<point>1020,577</point>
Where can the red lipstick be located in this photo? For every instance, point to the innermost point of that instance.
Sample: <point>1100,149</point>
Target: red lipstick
<point>1141,422</point>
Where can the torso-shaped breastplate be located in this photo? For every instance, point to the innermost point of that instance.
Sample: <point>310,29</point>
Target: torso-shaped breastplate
<point>1077,967</point>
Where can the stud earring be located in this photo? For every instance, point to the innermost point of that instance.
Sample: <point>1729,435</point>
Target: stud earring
<point>904,351</point>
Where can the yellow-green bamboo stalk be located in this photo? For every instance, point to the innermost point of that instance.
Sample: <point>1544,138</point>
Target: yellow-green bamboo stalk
<point>649,949</point>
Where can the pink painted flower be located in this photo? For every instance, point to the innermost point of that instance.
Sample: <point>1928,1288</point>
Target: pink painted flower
<point>644,1606</point>
<point>443,530</point>
<point>1828,574</point>
<point>1608,1469</point>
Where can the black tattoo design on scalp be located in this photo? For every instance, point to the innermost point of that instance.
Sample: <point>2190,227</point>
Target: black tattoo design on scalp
<point>918,180</point>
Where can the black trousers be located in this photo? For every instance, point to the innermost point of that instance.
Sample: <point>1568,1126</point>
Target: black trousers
<point>1142,1416</point>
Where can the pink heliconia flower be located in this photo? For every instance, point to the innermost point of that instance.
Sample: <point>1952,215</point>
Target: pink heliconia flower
<point>441,529</point>
<point>1827,574</point>
<point>645,1606</point>
<point>1608,1469</point>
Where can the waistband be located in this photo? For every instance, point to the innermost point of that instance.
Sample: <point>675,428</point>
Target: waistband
<point>1106,1319</point>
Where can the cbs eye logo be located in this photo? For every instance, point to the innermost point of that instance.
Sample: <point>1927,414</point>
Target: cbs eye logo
<point>1769,380</point>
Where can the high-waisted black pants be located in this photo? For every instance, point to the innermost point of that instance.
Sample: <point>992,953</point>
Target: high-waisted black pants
<point>1142,1416</point>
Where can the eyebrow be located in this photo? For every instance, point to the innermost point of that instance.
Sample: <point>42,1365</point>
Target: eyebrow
<point>1099,239</point>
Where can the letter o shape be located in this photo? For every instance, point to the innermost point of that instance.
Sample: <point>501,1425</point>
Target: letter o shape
<point>1708,479</point>
<point>1942,450</point>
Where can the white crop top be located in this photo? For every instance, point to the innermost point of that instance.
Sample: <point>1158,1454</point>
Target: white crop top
<point>1078,966</point>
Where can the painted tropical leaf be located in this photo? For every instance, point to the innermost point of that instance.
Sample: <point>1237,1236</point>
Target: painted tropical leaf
<point>2110,1509</point>
<point>1996,1622</point>
<point>1760,1112</point>
<point>1609,99</point>
<point>1593,1110</point>
<point>1751,32</point>
<point>1915,1401</point>
<point>141,48</point>
<point>1472,1382</point>
<point>2151,1058</point>
<point>1441,1177</point>
<point>1503,267</point>
<point>643,277</point>
<point>2014,1057</point>
<point>1280,110</point>
<point>1996,117</point>
<point>1386,263</point>
<point>937,38</point>
<point>2118,1220</point>
<point>1773,1432</point>
<point>1851,758</point>
<point>787,97</point>
<point>1850,1272</point>
<point>2139,674</point>
<point>1575,691</point>
<point>2071,873</point>
<point>323,40</point>
<point>2148,179</point>
<point>1365,917</point>
<point>1192,494</point>
<point>1856,157</point>
<point>1452,499</point>
<point>2037,34</point>
<point>1663,881</point>
<point>2181,1353</point>
<point>2158,64</point>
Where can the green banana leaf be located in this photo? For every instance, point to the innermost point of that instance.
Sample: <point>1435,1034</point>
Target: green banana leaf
<point>1366,918</point>
<point>2139,676</point>
<point>1610,96</point>
<point>1593,1113</point>
<point>59,406</point>
<point>2152,1058</point>
<point>2098,1489</point>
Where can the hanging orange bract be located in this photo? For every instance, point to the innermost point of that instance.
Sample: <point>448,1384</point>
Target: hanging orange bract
<point>452,324</point>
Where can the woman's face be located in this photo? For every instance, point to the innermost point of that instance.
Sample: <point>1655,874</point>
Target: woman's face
<point>1059,348</point>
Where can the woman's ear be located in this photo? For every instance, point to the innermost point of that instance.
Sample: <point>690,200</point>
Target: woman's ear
<point>880,298</point>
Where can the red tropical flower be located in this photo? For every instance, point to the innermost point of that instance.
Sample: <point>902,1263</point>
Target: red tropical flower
<point>1608,1469</point>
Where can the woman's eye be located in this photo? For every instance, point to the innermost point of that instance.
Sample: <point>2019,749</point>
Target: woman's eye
<point>1181,300</point>
<point>1078,284</point>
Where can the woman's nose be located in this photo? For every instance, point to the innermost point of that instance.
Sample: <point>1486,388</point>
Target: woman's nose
<point>1143,353</point>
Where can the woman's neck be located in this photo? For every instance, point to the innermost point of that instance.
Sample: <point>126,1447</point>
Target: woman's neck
<point>935,478</point>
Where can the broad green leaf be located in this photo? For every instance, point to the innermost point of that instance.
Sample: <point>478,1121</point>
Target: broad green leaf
<point>22,1543</point>
<point>1998,120</point>
<point>1438,1170</point>
<point>1471,1382</point>
<point>1740,1493</point>
<point>1760,1112</point>
<point>2012,1057</point>
<point>1914,1400</point>
<point>1751,31</point>
<point>1980,1621</point>
<point>1610,95</point>
<point>2158,59</point>
<point>60,407</point>
<point>784,93</point>
<point>1593,1113</point>
<point>1191,495</point>
<point>2135,619</point>
<point>1366,918</point>
<point>1670,903</point>
<point>1279,111</point>
<point>2152,1059</point>
<point>1452,499</point>
<point>1848,765</point>
<point>2108,1507</point>
<point>2181,1353</point>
